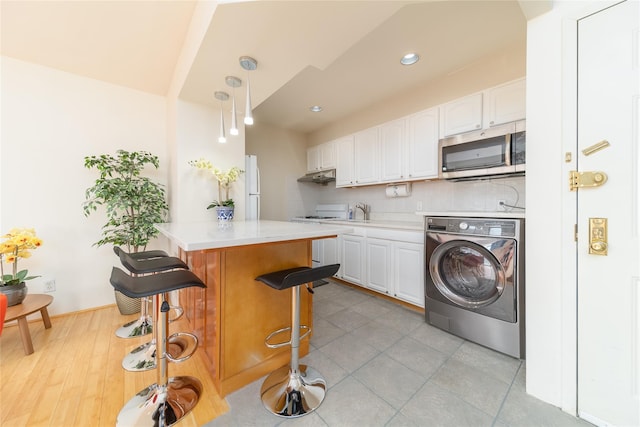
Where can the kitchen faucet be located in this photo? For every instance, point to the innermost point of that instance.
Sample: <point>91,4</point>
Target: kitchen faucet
<point>364,208</point>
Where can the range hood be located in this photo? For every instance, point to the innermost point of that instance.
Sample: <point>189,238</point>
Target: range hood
<point>323,177</point>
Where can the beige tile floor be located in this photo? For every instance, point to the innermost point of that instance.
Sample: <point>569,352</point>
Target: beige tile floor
<point>385,366</point>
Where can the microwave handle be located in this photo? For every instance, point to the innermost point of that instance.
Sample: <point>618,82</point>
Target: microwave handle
<point>507,149</point>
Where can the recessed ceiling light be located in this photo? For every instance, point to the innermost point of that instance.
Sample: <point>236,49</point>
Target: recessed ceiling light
<point>410,59</point>
<point>315,108</point>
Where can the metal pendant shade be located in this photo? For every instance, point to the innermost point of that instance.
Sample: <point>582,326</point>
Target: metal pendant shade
<point>222,96</point>
<point>248,64</point>
<point>234,82</point>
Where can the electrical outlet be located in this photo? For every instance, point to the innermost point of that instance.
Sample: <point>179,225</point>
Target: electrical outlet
<point>419,206</point>
<point>50,285</point>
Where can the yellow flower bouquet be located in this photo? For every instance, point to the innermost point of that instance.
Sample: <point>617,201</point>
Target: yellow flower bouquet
<point>18,244</point>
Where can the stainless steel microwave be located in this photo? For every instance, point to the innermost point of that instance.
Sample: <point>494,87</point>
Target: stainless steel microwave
<point>494,152</point>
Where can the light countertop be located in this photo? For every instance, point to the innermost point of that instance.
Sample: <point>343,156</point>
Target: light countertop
<point>194,236</point>
<point>474,214</point>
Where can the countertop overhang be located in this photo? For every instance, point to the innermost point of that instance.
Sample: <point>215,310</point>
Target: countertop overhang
<point>195,236</point>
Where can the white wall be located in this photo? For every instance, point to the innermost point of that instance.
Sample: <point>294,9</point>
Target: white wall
<point>50,121</point>
<point>282,159</point>
<point>197,128</point>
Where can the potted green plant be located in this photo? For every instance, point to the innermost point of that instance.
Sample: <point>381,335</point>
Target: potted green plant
<point>224,206</point>
<point>133,204</point>
<point>18,244</point>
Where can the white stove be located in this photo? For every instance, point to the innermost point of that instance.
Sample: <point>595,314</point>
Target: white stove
<point>326,211</point>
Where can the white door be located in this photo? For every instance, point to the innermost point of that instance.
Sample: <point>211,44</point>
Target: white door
<point>609,286</point>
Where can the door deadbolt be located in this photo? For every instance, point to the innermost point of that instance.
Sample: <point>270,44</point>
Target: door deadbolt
<point>598,239</point>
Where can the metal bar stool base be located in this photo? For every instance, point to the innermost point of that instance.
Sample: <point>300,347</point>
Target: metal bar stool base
<point>143,357</point>
<point>136,328</point>
<point>160,406</point>
<point>292,394</point>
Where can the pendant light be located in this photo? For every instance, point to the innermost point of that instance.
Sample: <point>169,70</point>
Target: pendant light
<point>248,64</point>
<point>221,96</point>
<point>234,82</point>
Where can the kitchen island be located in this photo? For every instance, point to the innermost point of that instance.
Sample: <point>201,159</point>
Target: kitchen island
<point>234,314</point>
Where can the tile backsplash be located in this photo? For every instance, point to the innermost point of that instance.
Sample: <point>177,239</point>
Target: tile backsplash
<point>475,196</point>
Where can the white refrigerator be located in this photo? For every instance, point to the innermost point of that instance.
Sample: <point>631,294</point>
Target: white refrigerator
<point>252,185</point>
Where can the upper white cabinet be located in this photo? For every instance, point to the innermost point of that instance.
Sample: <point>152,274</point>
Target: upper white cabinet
<point>492,107</point>
<point>392,149</point>
<point>313,159</point>
<point>358,159</point>
<point>461,115</point>
<point>366,146</point>
<point>321,157</point>
<point>421,153</point>
<point>345,173</point>
<point>505,103</point>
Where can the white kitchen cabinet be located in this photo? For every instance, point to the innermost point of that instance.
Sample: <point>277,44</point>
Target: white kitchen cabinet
<point>461,115</point>
<point>409,271</point>
<point>321,157</point>
<point>313,159</point>
<point>345,173</point>
<point>378,262</point>
<point>422,145</point>
<point>353,257</point>
<point>505,103</point>
<point>385,260</point>
<point>392,150</point>
<point>366,146</point>
<point>325,252</point>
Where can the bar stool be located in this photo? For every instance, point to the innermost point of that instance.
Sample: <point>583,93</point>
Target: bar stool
<point>170,398</point>
<point>144,263</point>
<point>295,390</point>
<point>142,358</point>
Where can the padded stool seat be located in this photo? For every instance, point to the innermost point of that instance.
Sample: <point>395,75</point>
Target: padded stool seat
<point>144,286</point>
<point>138,265</point>
<point>285,279</point>
<point>170,398</point>
<point>142,254</point>
<point>295,390</point>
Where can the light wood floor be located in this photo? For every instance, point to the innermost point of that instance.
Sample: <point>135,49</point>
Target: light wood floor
<point>75,376</point>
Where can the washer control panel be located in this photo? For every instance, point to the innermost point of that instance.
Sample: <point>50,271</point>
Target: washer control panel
<point>473,226</point>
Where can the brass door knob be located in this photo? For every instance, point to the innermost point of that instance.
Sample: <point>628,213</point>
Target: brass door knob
<point>599,246</point>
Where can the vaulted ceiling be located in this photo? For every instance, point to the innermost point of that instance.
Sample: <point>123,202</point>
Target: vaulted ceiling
<point>343,55</point>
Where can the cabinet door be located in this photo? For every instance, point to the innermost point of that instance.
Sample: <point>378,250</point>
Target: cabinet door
<point>313,159</point>
<point>391,150</point>
<point>317,252</point>
<point>353,258</point>
<point>328,155</point>
<point>505,103</point>
<point>409,270</point>
<point>330,251</point>
<point>422,144</point>
<point>367,156</point>
<point>344,162</point>
<point>461,115</point>
<point>378,264</point>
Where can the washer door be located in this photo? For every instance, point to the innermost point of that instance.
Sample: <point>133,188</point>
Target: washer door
<point>467,274</point>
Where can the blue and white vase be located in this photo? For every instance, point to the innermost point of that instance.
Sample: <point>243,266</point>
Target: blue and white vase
<point>225,213</point>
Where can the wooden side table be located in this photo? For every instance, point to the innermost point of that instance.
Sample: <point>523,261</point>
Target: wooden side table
<point>19,312</point>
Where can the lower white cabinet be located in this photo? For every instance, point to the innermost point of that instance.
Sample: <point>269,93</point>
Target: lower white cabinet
<point>388,261</point>
<point>353,258</point>
<point>325,252</point>
<point>408,269</point>
<point>379,253</point>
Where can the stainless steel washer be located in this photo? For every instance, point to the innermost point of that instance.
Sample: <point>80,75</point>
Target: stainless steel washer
<point>474,284</point>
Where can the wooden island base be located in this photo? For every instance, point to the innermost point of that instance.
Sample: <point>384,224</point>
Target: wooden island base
<point>235,313</point>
